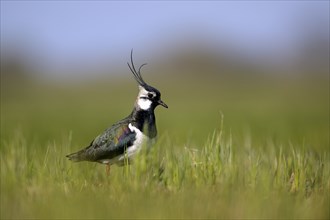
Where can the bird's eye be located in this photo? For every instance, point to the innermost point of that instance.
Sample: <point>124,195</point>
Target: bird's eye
<point>150,95</point>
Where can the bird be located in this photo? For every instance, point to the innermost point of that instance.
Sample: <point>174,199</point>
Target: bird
<point>123,140</point>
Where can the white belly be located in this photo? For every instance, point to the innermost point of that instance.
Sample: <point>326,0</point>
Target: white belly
<point>140,140</point>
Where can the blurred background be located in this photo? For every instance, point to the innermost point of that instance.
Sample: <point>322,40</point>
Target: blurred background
<point>263,65</point>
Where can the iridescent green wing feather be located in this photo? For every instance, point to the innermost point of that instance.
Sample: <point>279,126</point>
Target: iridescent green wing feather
<point>110,144</point>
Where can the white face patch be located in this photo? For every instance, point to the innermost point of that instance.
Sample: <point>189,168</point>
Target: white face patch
<point>143,102</point>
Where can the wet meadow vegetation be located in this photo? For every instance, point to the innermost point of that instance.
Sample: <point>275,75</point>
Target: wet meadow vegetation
<point>227,148</point>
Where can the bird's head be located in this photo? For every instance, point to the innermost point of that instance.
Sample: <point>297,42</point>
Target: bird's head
<point>149,97</point>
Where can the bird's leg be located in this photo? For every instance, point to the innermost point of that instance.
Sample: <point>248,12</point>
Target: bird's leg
<point>107,169</point>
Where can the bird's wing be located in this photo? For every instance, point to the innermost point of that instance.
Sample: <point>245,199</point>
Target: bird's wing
<point>110,144</point>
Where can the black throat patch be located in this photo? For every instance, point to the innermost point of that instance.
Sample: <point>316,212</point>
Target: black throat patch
<point>145,121</point>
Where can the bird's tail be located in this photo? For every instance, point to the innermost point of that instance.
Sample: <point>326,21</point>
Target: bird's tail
<point>76,157</point>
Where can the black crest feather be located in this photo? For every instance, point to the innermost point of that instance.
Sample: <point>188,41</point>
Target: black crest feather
<point>137,74</point>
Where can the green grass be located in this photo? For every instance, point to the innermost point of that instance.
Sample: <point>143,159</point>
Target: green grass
<point>261,151</point>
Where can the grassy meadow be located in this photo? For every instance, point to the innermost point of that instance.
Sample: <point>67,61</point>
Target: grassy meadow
<point>233,148</point>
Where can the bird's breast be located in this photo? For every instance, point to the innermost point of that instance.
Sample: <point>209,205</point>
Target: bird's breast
<point>140,140</point>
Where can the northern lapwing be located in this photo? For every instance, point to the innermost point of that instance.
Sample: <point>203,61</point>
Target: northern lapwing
<point>121,141</point>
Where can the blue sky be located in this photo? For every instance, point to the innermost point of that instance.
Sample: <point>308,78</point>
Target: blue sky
<point>58,33</point>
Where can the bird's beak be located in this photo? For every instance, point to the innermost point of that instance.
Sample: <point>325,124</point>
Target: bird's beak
<point>160,102</point>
